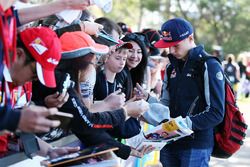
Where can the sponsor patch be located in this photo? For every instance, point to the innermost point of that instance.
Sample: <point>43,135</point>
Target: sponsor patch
<point>189,75</point>
<point>166,36</point>
<point>219,75</point>
<point>52,61</point>
<point>39,46</point>
<point>173,74</point>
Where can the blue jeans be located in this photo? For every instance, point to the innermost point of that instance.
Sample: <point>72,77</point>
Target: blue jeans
<point>185,158</point>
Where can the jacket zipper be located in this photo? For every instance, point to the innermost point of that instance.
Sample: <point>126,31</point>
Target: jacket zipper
<point>192,106</point>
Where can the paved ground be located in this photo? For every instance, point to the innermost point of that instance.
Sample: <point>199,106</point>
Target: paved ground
<point>242,157</point>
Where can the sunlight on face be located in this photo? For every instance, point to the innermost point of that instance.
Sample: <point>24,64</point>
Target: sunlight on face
<point>134,55</point>
<point>117,60</point>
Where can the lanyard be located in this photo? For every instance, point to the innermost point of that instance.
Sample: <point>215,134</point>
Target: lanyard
<point>10,97</point>
<point>107,88</point>
<point>8,36</point>
<point>5,96</point>
<point>107,85</point>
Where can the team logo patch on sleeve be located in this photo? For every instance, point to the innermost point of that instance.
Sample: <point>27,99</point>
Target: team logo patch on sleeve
<point>219,75</point>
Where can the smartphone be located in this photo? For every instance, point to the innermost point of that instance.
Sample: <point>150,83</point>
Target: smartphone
<point>105,38</point>
<point>65,83</point>
<point>63,117</point>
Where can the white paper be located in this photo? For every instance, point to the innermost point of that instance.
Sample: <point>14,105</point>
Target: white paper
<point>29,162</point>
<point>69,15</point>
<point>161,135</point>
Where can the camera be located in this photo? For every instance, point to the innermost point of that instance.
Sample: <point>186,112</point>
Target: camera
<point>65,83</point>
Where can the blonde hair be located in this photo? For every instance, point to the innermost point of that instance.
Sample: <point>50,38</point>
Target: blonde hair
<point>230,58</point>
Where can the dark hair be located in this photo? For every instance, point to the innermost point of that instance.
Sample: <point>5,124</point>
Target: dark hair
<point>109,25</point>
<point>164,53</point>
<point>72,66</point>
<point>123,27</point>
<point>86,15</point>
<point>28,56</point>
<point>137,73</point>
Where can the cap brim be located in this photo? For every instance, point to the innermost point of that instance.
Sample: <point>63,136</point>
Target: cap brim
<point>46,77</point>
<point>97,49</point>
<point>162,44</point>
<point>126,45</point>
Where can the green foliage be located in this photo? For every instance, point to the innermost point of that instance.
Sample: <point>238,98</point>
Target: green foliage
<point>151,5</point>
<point>220,22</point>
<point>126,11</point>
<point>227,22</point>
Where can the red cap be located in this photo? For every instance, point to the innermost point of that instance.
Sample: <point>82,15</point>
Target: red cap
<point>78,43</point>
<point>162,44</point>
<point>45,47</point>
<point>122,44</point>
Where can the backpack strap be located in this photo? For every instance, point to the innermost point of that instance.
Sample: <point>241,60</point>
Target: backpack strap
<point>205,56</point>
<point>199,67</point>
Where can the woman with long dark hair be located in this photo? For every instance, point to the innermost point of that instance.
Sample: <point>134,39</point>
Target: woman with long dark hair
<point>78,52</point>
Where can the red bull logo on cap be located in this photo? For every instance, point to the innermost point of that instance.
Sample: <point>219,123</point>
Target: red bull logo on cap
<point>167,36</point>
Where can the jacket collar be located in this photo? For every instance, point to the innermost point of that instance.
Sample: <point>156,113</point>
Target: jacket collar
<point>195,53</point>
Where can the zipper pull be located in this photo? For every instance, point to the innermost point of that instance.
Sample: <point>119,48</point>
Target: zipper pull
<point>192,106</point>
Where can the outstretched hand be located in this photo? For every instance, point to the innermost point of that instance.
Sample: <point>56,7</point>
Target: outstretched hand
<point>140,93</point>
<point>91,28</point>
<point>140,153</point>
<point>34,119</point>
<point>115,100</point>
<point>74,4</point>
<point>60,151</point>
<point>56,99</point>
<point>137,108</point>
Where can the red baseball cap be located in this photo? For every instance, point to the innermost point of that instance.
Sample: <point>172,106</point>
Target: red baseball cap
<point>78,43</point>
<point>122,44</point>
<point>45,47</point>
